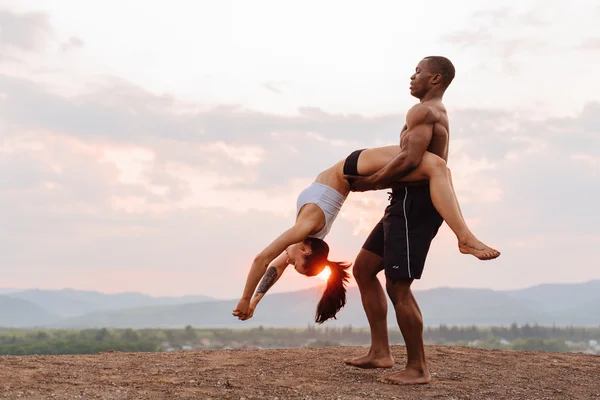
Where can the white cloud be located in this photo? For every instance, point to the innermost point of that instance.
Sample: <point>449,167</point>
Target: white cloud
<point>88,190</point>
<point>28,31</point>
<point>246,155</point>
<point>170,170</point>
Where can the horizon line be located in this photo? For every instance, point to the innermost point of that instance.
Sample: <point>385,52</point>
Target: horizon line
<point>12,290</point>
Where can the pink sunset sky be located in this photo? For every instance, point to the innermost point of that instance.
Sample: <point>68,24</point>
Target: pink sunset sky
<point>158,147</point>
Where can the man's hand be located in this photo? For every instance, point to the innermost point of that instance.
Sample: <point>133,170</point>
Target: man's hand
<point>366,183</point>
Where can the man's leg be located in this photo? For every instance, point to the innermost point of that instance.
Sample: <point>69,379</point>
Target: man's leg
<point>410,322</point>
<point>366,268</point>
<point>409,228</point>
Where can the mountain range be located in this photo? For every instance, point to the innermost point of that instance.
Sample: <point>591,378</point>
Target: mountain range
<point>560,304</point>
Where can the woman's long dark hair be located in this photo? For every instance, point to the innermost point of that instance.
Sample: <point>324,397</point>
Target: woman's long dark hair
<point>334,295</point>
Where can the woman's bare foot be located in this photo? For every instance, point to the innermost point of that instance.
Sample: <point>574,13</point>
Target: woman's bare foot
<point>371,361</point>
<point>408,376</point>
<point>471,245</point>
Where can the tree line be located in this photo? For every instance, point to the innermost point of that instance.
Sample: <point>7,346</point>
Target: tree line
<point>90,341</point>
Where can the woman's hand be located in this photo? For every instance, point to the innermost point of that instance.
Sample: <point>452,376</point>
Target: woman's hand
<point>243,309</point>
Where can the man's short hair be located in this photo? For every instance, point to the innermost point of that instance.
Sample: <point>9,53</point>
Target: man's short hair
<point>444,67</point>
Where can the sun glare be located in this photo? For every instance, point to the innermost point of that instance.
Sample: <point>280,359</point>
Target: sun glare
<point>325,274</point>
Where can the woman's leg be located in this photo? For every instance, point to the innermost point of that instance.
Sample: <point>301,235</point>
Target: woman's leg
<point>454,191</point>
<point>444,199</point>
<point>433,169</point>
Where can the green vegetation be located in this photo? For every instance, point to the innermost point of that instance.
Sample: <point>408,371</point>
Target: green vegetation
<point>90,341</point>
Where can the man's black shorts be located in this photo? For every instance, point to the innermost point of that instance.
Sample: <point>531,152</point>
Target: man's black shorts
<point>404,234</point>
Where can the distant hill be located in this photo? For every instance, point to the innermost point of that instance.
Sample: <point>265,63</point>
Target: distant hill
<point>18,313</point>
<point>473,307</point>
<point>449,306</point>
<point>563,304</point>
<point>553,297</point>
<point>577,304</point>
<point>585,313</point>
<point>70,303</point>
<point>55,302</point>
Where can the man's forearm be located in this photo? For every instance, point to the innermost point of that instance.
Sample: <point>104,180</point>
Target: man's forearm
<point>397,168</point>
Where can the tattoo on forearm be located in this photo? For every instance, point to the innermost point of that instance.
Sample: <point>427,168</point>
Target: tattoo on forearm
<point>267,281</point>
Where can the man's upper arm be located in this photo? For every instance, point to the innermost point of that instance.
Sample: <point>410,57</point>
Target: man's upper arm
<point>414,144</point>
<point>417,143</point>
<point>420,125</point>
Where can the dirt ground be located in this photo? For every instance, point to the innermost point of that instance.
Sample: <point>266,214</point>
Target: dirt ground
<point>458,373</point>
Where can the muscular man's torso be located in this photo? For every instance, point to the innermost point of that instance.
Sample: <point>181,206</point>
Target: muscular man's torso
<point>440,138</point>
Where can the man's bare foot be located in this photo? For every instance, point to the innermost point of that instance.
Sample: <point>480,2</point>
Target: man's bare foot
<point>475,247</point>
<point>371,361</point>
<point>408,376</point>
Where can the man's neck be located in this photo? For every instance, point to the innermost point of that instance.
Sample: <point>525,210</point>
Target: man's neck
<point>433,95</point>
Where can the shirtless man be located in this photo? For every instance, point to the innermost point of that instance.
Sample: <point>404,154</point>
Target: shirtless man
<point>399,243</point>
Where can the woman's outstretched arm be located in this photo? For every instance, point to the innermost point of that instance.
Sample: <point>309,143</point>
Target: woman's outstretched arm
<point>295,234</point>
<point>271,276</point>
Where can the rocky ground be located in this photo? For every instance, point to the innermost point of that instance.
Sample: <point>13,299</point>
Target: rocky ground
<point>458,373</point>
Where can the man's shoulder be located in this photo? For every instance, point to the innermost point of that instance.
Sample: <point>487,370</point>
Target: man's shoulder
<point>422,113</point>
